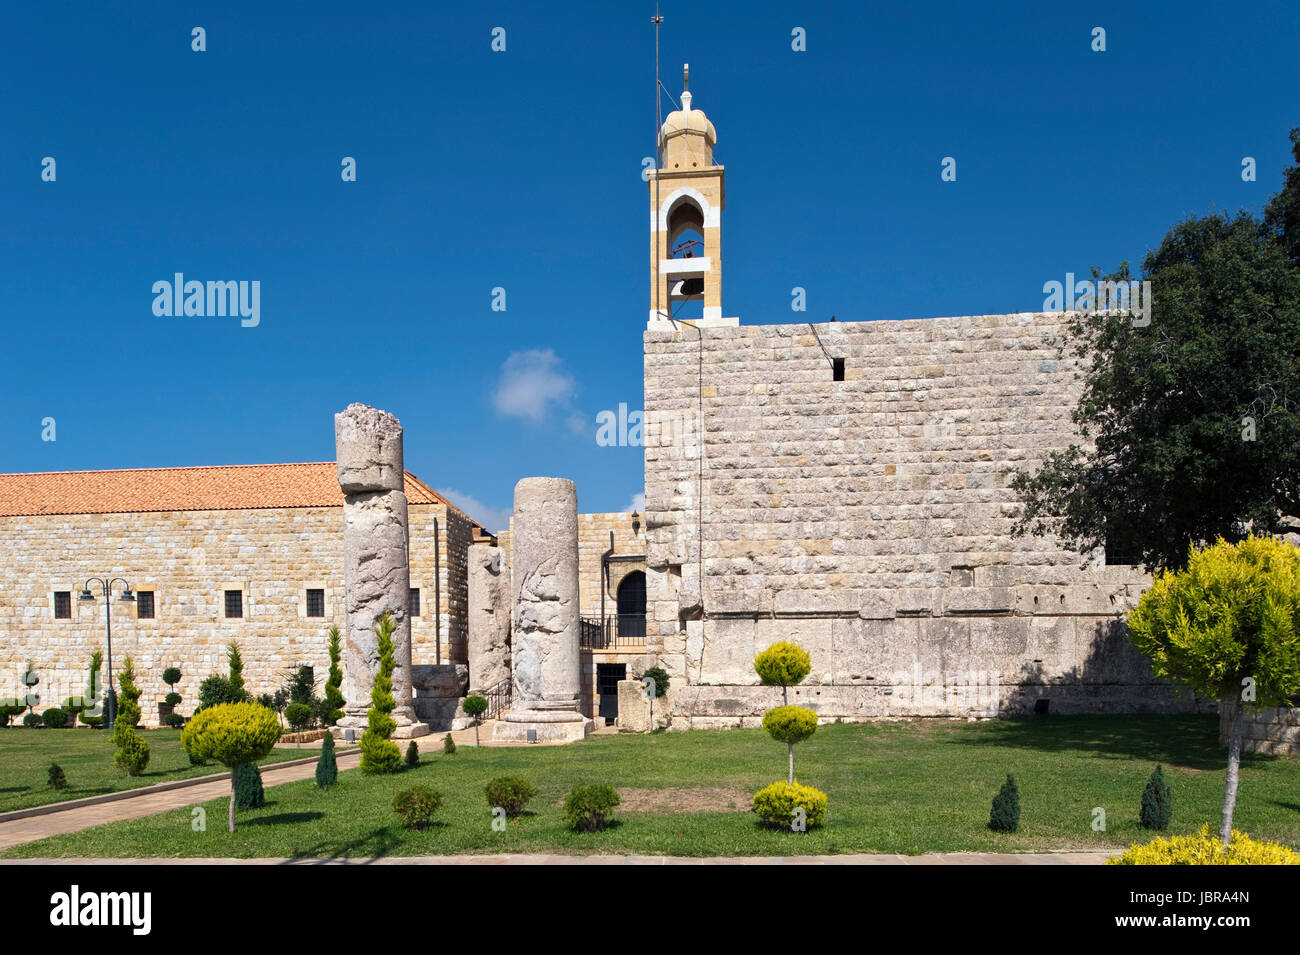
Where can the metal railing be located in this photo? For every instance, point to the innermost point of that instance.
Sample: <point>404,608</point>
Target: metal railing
<point>498,697</point>
<point>612,632</point>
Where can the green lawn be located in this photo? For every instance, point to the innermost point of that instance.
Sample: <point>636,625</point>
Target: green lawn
<point>893,787</point>
<point>87,760</point>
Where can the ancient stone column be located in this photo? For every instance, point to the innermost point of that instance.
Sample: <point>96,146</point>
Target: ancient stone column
<point>376,569</point>
<point>545,660</point>
<point>489,617</point>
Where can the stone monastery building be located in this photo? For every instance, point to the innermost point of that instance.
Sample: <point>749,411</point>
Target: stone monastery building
<point>842,485</point>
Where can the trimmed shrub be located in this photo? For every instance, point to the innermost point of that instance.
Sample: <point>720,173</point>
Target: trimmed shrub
<point>171,676</point>
<point>412,754</point>
<point>299,715</point>
<point>474,706</point>
<point>588,807</point>
<point>783,664</point>
<point>73,706</point>
<point>379,754</point>
<point>232,733</point>
<point>790,725</point>
<point>174,720</point>
<point>1157,802</point>
<point>510,793</point>
<point>775,806</point>
<point>1206,848</point>
<point>57,780</point>
<point>249,793</point>
<point>128,705</point>
<point>416,806</point>
<point>448,745</point>
<point>1005,816</point>
<point>54,718</point>
<point>32,719</point>
<point>132,754</point>
<point>214,691</point>
<point>172,699</point>
<point>327,767</point>
<point>332,706</point>
<point>236,664</point>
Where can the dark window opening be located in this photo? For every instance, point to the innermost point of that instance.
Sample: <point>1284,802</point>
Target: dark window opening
<point>234,603</point>
<point>837,369</point>
<point>414,604</point>
<point>631,605</point>
<point>1121,551</point>
<point>144,605</point>
<point>315,603</point>
<point>63,605</point>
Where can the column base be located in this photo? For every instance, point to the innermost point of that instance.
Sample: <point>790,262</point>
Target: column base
<point>551,724</point>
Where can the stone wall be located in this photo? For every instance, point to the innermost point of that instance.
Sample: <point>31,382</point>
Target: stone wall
<point>188,558</point>
<point>1272,730</point>
<point>870,520</point>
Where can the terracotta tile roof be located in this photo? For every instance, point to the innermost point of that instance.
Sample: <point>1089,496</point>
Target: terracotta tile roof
<point>224,488</point>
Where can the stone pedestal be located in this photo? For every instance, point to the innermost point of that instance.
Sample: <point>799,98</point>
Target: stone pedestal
<point>489,617</point>
<point>376,572</point>
<point>545,658</point>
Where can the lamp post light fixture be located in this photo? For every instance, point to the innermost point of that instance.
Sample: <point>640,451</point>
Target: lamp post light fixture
<point>106,586</point>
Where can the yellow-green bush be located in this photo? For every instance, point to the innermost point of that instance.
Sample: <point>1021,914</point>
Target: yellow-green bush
<point>775,805</point>
<point>231,733</point>
<point>790,724</point>
<point>783,664</point>
<point>1206,848</point>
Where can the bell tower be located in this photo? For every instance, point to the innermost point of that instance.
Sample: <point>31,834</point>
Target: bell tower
<point>686,202</point>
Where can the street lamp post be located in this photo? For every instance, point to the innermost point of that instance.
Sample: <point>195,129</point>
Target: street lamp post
<point>107,588</point>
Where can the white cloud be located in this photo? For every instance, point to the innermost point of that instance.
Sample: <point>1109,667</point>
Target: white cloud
<point>636,504</point>
<point>530,382</point>
<point>495,519</point>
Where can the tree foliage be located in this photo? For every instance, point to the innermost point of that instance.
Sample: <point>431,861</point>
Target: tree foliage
<point>379,754</point>
<point>332,710</point>
<point>783,664</point>
<point>1191,424</point>
<point>231,733</point>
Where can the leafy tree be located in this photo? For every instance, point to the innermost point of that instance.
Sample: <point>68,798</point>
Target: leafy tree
<point>1005,815</point>
<point>333,706</point>
<point>1157,802</point>
<point>327,767</point>
<point>783,664</point>
<point>1191,424</point>
<point>231,733</point>
<point>171,676</point>
<point>301,687</point>
<point>1228,626</point>
<point>379,754</point>
<point>215,690</point>
<point>790,725</point>
<point>474,707</point>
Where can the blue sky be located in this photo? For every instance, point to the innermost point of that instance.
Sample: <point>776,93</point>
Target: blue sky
<point>521,170</point>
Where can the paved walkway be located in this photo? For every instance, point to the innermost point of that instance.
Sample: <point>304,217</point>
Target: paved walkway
<point>937,858</point>
<point>145,803</point>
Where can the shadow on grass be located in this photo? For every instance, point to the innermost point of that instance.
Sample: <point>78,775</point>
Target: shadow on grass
<point>1187,741</point>
<point>373,845</point>
<point>283,818</point>
<point>14,789</point>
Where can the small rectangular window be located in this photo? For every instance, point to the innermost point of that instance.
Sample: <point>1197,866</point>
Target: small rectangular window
<point>144,605</point>
<point>234,603</point>
<point>837,369</point>
<point>414,607</point>
<point>63,605</point>
<point>315,603</point>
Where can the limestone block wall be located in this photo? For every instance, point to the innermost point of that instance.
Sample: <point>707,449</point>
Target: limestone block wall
<point>593,541</point>
<point>870,519</point>
<point>188,559</point>
<point>1273,730</point>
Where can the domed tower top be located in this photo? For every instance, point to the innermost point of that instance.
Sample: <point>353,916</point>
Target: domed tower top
<point>687,137</point>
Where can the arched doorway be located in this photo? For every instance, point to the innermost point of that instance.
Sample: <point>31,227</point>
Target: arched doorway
<point>631,605</point>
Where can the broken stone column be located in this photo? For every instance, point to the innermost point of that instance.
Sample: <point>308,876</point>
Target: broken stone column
<point>376,570</point>
<point>545,660</point>
<point>489,617</point>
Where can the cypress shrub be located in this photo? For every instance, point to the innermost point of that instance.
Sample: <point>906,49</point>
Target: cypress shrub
<point>248,787</point>
<point>448,744</point>
<point>1005,816</point>
<point>327,768</point>
<point>57,779</point>
<point>132,754</point>
<point>332,707</point>
<point>1157,802</point>
<point>412,754</point>
<point>128,706</point>
<point>379,754</point>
